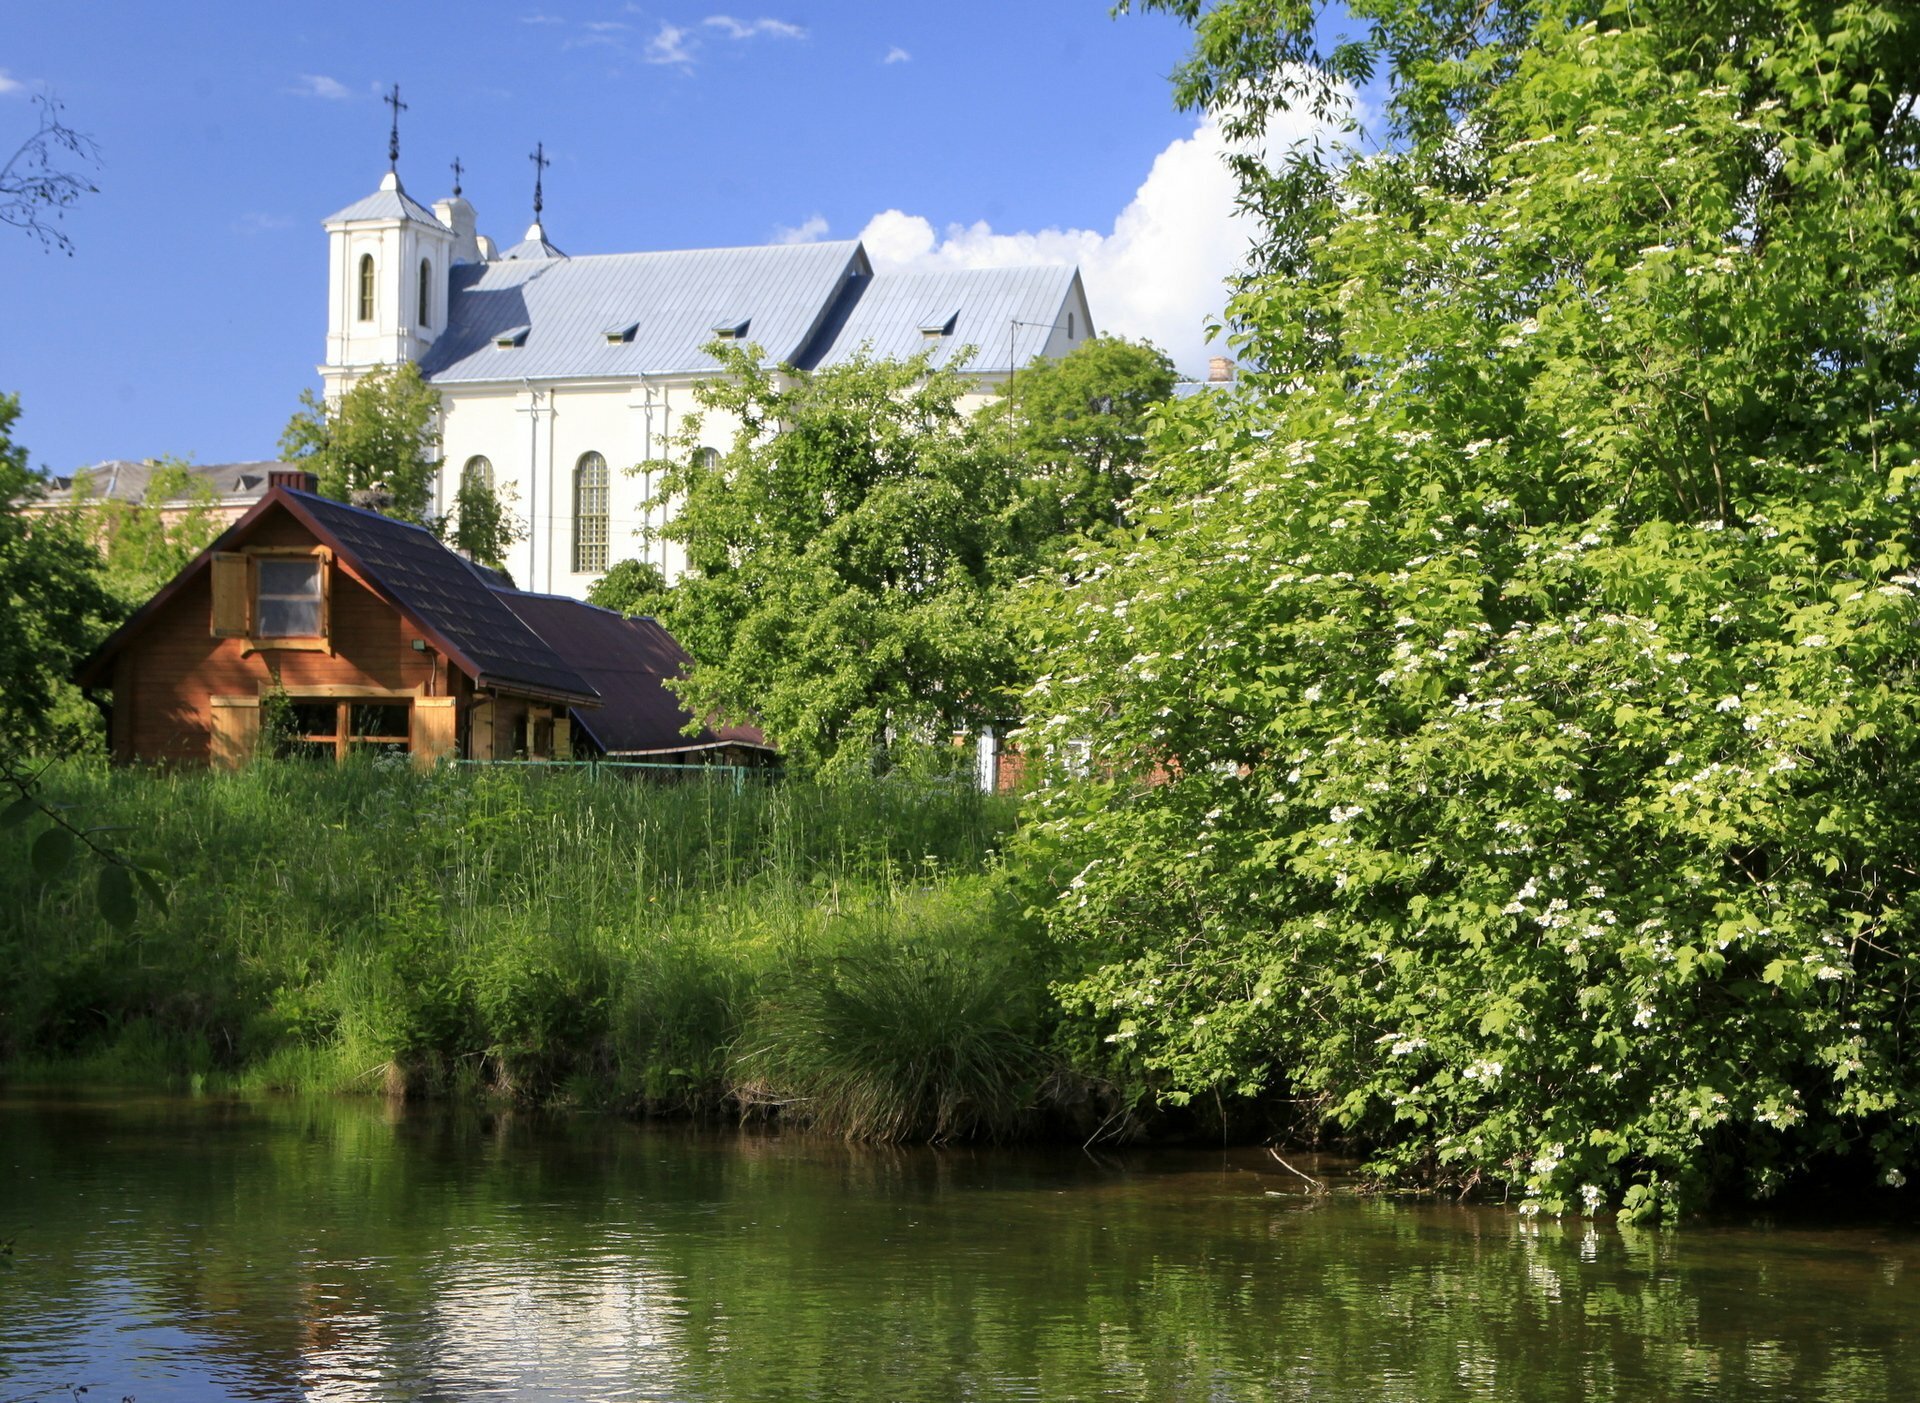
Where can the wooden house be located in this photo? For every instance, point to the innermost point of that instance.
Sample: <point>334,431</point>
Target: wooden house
<point>325,629</point>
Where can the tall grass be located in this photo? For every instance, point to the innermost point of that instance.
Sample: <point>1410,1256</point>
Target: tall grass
<point>666,948</point>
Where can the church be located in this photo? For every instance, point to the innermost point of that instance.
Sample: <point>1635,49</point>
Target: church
<point>561,377</point>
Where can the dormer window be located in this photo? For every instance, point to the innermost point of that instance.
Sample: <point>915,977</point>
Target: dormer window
<point>939,324</point>
<point>366,287</point>
<point>732,329</point>
<point>426,293</point>
<point>513,336</point>
<point>621,334</point>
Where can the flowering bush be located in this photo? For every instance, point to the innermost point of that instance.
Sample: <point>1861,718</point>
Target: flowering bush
<point>1532,655</point>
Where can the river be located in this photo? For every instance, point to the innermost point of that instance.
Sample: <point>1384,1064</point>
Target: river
<point>210,1249</point>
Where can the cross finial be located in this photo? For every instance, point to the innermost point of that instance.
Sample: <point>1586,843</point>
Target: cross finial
<point>458,171</point>
<point>540,164</point>
<point>392,100</point>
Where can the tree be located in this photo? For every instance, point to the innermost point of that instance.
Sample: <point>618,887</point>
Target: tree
<point>480,526</point>
<point>144,544</point>
<point>1537,678</point>
<point>632,587</point>
<point>845,557</point>
<point>379,444</point>
<point>36,189</point>
<point>55,607</point>
<point>1079,423</point>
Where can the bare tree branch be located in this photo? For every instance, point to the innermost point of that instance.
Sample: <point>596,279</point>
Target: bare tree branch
<point>35,185</point>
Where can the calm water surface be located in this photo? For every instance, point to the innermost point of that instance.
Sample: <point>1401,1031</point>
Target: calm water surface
<point>207,1250</point>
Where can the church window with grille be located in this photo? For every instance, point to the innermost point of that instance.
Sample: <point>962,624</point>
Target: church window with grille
<point>477,473</point>
<point>426,292</point>
<point>590,514</point>
<point>366,287</point>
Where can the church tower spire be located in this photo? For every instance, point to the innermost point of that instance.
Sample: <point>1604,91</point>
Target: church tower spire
<point>535,244</point>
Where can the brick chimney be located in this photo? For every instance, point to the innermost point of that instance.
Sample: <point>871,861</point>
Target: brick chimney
<point>298,479</point>
<point>1219,370</point>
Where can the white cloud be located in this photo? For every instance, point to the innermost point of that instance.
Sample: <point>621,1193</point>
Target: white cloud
<point>669,45</point>
<point>1158,273</point>
<point>258,222</point>
<point>896,54</point>
<point>541,17</point>
<point>810,230</point>
<point>319,85</point>
<point>10,85</point>
<point>749,29</point>
<point>607,26</point>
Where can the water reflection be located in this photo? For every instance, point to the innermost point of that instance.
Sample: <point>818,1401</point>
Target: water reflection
<point>337,1250</point>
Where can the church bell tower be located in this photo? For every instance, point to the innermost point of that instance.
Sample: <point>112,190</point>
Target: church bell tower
<point>388,258</point>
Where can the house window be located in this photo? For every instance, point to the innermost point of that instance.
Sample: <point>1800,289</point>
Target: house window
<point>366,287</point>
<point>477,473</point>
<point>589,514</point>
<point>426,292</point>
<point>288,599</point>
<point>325,729</point>
<point>706,459</point>
<point>1069,326</point>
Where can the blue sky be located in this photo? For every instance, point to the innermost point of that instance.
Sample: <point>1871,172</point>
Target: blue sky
<point>192,313</point>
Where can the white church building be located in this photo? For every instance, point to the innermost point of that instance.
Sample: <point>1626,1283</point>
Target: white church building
<point>561,377</point>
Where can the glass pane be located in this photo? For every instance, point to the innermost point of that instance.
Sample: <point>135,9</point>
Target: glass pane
<point>312,718</point>
<point>289,618</point>
<point>378,719</point>
<point>296,578</point>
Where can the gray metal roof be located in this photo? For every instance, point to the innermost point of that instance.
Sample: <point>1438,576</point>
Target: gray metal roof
<point>675,298</point>
<point>122,480</point>
<point>888,312</point>
<point>535,245</point>
<point>387,204</point>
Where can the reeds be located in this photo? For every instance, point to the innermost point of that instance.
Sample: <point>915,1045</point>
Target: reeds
<point>841,949</point>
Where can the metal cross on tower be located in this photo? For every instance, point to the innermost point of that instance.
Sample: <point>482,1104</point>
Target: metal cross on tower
<point>392,100</point>
<point>458,171</point>
<point>540,164</point>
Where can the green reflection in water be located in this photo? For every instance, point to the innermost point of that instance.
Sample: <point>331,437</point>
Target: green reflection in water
<point>178,1249</point>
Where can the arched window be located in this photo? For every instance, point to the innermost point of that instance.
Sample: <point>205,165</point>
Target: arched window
<point>477,473</point>
<point>426,292</point>
<point>366,287</point>
<point>706,459</point>
<point>589,514</point>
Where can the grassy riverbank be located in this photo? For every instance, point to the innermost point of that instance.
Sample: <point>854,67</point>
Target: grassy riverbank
<point>846,953</point>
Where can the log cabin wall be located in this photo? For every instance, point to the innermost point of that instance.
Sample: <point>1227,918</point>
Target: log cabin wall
<point>166,678</point>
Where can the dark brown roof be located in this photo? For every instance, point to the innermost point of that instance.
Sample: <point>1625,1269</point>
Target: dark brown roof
<point>445,595</point>
<point>628,661</point>
<point>448,599</point>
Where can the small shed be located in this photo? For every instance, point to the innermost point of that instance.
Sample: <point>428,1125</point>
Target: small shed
<point>323,629</point>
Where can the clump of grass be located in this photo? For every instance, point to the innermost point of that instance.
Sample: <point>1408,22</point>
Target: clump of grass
<point>920,1027</point>
<point>534,935</point>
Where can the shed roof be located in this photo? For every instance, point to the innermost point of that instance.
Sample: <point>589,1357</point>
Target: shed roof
<point>674,299</point>
<point>628,661</point>
<point>448,599</point>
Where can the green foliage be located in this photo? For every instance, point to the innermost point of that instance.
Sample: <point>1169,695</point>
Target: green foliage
<point>379,445</point>
<point>144,544</point>
<point>926,1032</point>
<point>1079,425</point>
<point>481,526</point>
<point>845,558</point>
<point>541,935</point>
<point>632,587</point>
<point>1537,678</point>
<point>53,606</point>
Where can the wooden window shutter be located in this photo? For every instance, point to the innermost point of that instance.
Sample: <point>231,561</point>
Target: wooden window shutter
<point>235,730</point>
<point>232,596</point>
<point>432,729</point>
<point>326,594</point>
